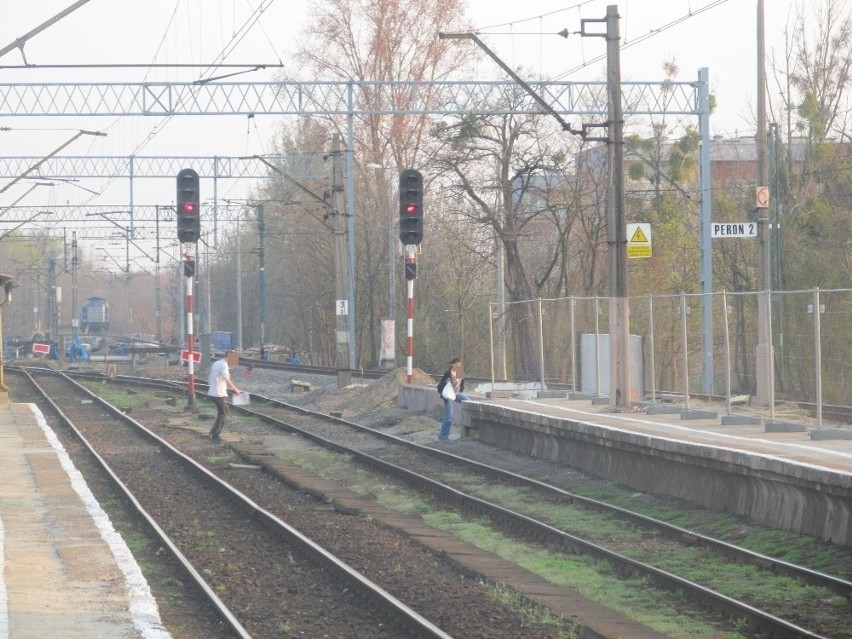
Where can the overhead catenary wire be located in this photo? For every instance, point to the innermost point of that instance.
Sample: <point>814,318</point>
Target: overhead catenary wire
<point>227,50</point>
<point>489,30</point>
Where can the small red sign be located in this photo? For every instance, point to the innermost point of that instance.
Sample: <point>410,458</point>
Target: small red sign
<point>184,356</point>
<point>42,349</point>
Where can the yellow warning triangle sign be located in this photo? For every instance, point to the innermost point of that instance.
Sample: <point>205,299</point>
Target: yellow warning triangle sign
<point>638,237</point>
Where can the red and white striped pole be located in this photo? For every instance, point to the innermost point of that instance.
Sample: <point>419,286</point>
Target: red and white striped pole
<point>410,275</point>
<point>189,273</point>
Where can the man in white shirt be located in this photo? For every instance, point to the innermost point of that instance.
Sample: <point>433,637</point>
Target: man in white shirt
<point>219,382</point>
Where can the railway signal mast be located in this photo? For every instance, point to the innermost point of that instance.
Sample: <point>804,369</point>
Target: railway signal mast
<point>188,232</point>
<point>411,235</point>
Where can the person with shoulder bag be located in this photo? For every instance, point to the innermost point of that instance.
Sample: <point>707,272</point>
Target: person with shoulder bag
<point>451,389</point>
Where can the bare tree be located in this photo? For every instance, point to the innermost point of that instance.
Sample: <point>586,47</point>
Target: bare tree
<point>511,173</point>
<point>381,40</point>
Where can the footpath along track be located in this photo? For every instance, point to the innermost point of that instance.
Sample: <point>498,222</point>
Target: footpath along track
<point>264,578</point>
<point>454,482</point>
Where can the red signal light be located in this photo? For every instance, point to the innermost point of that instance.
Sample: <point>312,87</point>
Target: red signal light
<point>189,207</point>
<point>411,208</point>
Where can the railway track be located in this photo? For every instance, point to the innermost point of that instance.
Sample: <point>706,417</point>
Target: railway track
<point>449,478</point>
<point>213,529</point>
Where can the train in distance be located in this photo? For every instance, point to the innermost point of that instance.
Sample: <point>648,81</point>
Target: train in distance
<point>94,315</point>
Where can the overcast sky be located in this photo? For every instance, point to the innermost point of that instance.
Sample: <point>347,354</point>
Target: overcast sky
<point>721,38</point>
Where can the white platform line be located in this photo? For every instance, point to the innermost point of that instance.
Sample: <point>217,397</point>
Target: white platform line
<point>143,606</point>
<point>4,600</point>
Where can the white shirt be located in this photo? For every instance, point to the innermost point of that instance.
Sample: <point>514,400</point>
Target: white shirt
<point>218,380</point>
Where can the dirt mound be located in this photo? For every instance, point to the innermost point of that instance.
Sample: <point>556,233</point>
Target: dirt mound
<point>362,399</point>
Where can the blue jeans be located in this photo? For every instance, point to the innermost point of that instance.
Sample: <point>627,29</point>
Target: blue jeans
<point>447,421</point>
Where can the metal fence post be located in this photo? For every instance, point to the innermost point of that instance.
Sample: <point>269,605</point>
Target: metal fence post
<point>727,335</point>
<point>491,341</point>
<point>541,344</point>
<point>685,350</point>
<point>598,348</point>
<point>817,358</point>
<point>573,346</point>
<point>652,360</point>
<point>770,356</point>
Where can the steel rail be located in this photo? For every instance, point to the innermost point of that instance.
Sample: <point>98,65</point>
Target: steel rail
<point>813,577</point>
<point>187,566</point>
<point>396,609</point>
<point>758,619</point>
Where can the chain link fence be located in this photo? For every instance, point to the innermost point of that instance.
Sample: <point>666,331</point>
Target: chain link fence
<point>683,344</point>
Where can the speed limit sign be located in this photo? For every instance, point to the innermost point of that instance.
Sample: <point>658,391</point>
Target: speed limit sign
<point>761,197</point>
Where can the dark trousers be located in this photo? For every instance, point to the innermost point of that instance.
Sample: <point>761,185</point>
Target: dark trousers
<point>221,413</point>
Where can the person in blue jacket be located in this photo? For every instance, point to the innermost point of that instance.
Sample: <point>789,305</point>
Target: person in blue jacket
<point>455,377</point>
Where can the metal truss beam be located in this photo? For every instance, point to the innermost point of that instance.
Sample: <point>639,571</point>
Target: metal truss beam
<point>215,167</point>
<point>111,221</point>
<point>339,98</point>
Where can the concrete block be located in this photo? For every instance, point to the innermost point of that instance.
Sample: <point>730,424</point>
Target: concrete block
<point>297,386</point>
<point>831,433</point>
<point>418,397</point>
<point>663,409</point>
<point>552,394</point>
<point>739,420</point>
<point>699,414</point>
<point>499,394</point>
<point>600,401</point>
<point>785,427</point>
<point>579,396</point>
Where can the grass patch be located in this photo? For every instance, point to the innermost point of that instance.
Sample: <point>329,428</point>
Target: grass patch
<point>702,565</point>
<point>632,597</point>
<point>593,579</point>
<point>532,614</point>
<point>116,395</point>
<point>338,468</point>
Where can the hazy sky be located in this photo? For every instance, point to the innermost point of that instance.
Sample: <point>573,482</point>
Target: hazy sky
<point>722,38</point>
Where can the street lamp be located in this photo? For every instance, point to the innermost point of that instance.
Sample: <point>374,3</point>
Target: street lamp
<point>387,354</point>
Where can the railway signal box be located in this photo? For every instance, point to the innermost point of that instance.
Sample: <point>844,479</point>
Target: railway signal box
<point>188,206</point>
<point>411,207</point>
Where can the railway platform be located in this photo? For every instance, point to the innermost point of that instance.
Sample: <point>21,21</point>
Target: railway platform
<point>64,571</point>
<point>792,479</point>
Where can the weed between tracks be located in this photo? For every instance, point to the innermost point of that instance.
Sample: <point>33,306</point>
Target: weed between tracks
<point>594,580</point>
<point>701,565</point>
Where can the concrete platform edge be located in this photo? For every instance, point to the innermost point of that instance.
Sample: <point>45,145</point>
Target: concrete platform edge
<point>769,489</point>
<point>142,606</point>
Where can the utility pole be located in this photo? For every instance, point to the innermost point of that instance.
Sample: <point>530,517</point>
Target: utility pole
<point>763,368</point>
<point>52,328</point>
<point>387,350</point>
<point>74,308</point>
<point>159,306</point>
<point>619,311</point>
<point>619,308</point>
<point>261,229</point>
<point>341,268</point>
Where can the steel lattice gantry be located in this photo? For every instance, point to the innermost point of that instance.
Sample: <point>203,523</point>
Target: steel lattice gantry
<point>356,98</point>
<point>132,168</point>
<point>107,166</point>
<point>339,98</point>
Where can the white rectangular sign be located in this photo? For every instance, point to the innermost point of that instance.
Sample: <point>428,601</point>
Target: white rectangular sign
<point>733,229</point>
